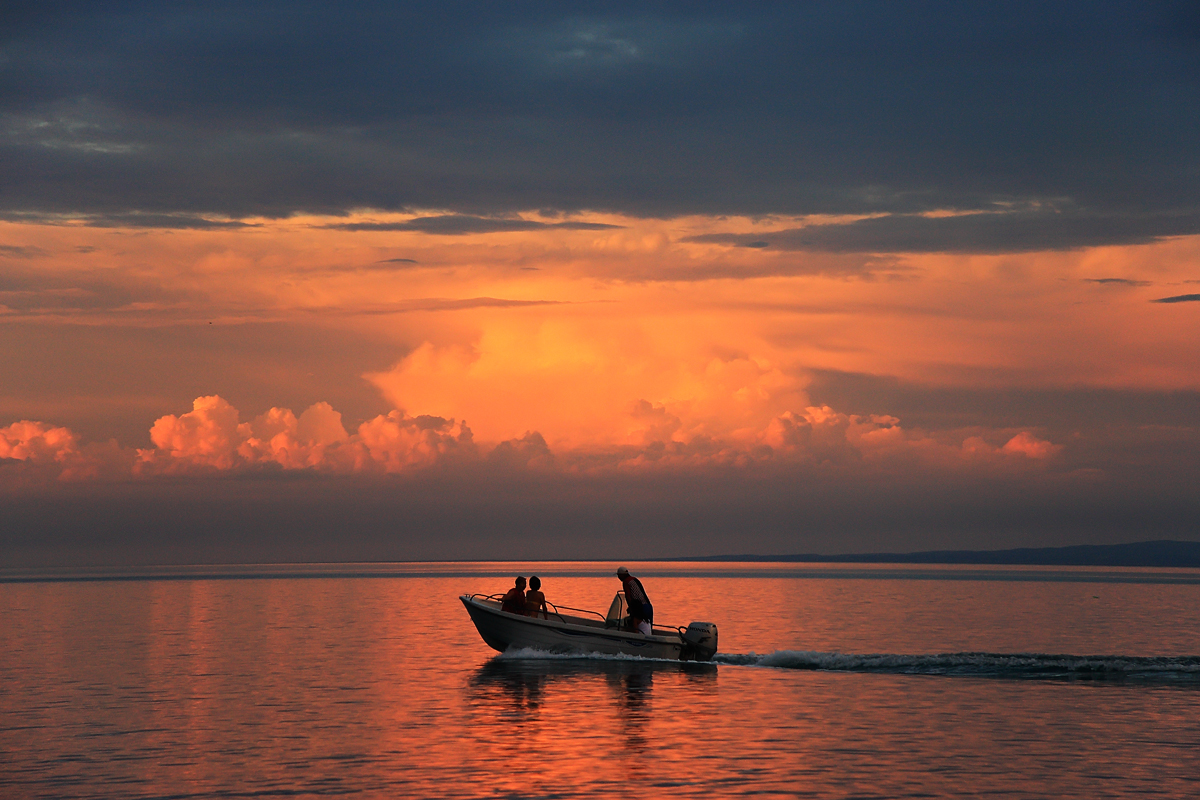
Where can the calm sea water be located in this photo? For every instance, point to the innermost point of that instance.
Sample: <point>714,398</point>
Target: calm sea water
<point>832,682</point>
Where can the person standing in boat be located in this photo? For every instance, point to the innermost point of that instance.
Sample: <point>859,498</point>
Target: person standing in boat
<point>641,613</point>
<point>514,601</point>
<point>535,601</point>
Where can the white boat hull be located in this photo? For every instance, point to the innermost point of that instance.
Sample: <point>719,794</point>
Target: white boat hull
<point>503,631</point>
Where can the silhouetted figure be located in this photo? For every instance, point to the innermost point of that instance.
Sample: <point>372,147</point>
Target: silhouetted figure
<point>514,601</point>
<point>641,613</point>
<point>535,601</point>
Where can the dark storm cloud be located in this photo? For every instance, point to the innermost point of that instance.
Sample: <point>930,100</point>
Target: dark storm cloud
<point>460,224</point>
<point>239,109</point>
<point>1179,298</point>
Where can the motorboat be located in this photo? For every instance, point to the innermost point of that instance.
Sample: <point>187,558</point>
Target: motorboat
<point>563,629</point>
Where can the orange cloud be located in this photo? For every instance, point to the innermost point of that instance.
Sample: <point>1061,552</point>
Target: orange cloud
<point>211,439</point>
<point>590,379</point>
<point>397,442</point>
<point>623,293</point>
<point>207,435</point>
<point>572,348</point>
<point>46,451</point>
<point>1030,446</point>
<point>38,442</point>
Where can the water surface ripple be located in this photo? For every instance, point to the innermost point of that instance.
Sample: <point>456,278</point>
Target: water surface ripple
<point>853,683</point>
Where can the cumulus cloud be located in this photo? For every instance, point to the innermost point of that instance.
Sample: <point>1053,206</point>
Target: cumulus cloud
<point>38,450</point>
<point>211,439</point>
<point>528,452</point>
<point>816,437</point>
<point>209,434</point>
<point>1030,446</point>
<point>586,382</point>
<point>36,441</point>
<point>822,435</point>
<point>396,442</point>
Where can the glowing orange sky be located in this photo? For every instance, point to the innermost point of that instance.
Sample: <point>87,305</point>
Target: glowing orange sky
<point>618,337</point>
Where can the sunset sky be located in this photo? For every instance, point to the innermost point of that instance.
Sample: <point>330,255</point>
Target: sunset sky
<point>287,281</point>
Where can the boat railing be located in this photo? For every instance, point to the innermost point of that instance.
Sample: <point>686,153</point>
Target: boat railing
<point>555,611</point>
<point>655,630</point>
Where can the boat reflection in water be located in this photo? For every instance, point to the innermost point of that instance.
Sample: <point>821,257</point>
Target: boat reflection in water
<point>543,697</point>
<point>525,681</point>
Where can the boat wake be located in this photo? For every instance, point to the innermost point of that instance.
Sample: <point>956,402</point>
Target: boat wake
<point>1167,669</point>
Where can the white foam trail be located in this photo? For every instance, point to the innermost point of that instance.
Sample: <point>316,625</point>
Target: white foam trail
<point>981,664</point>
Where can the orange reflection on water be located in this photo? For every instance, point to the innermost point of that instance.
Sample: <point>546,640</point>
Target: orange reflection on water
<point>380,686</point>
<point>593,725</point>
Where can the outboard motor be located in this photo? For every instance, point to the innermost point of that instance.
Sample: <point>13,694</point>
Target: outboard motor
<point>699,642</point>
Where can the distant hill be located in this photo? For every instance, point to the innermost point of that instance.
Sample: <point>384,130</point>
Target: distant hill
<point>1163,553</point>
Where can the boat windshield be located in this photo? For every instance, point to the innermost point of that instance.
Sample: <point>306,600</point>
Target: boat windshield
<point>618,614</point>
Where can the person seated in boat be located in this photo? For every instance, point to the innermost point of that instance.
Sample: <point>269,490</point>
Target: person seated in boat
<point>641,613</point>
<point>535,601</point>
<point>514,601</point>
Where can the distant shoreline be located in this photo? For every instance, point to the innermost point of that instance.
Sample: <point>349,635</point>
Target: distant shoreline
<point>1161,553</point>
<point>1156,554</point>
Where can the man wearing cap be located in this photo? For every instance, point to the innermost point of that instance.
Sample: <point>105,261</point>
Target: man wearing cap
<point>641,613</point>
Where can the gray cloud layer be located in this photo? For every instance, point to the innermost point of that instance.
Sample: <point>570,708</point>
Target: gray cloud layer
<point>223,110</point>
<point>1005,232</point>
<point>460,224</point>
